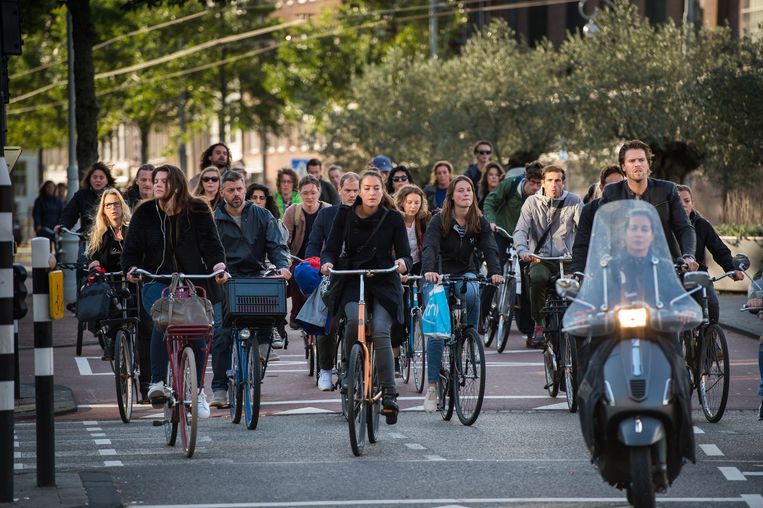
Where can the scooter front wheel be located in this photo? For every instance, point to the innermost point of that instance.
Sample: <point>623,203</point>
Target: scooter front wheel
<point>641,489</point>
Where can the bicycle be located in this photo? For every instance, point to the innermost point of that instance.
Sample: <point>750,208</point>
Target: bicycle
<point>363,385</point>
<point>413,351</point>
<point>252,304</point>
<point>461,383</point>
<point>497,320</point>
<point>124,363</point>
<point>560,354</point>
<point>80,269</point>
<point>180,408</point>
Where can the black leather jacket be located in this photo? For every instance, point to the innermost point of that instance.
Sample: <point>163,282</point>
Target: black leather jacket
<point>663,195</point>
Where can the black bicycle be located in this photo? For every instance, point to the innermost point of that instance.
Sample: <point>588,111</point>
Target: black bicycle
<point>461,384</point>
<point>497,320</point>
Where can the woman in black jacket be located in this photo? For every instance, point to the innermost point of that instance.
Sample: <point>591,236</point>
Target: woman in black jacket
<point>47,211</point>
<point>174,232</point>
<point>372,233</point>
<point>81,206</point>
<point>449,244</point>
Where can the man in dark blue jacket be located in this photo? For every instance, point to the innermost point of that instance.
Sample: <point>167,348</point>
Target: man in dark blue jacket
<point>248,233</point>
<point>483,152</point>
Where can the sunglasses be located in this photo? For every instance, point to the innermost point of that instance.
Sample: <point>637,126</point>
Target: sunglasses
<point>484,152</point>
<point>211,179</point>
<point>400,178</point>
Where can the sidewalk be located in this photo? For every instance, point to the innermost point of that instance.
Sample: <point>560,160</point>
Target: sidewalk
<point>740,322</point>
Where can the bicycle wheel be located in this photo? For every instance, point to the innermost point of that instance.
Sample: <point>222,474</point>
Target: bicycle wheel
<point>445,385</point>
<point>713,389</point>
<point>419,352</point>
<point>356,403</point>
<point>123,374</point>
<point>340,367</point>
<point>316,361</point>
<point>252,385</point>
<point>549,367</point>
<point>490,321</point>
<point>570,368</point>
<point>686,341</point>
<point>171,413</point>
<point>372,415</point>
<point>405,361</point>
<point>310,355</point>
<point>80,331</point>
<point>189,394</point>
<point>469,386</point>
<point>505,315</point>
<point>235,382</point>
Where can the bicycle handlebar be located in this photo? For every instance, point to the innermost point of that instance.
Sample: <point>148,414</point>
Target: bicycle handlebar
<point>70,232</point>
<point>552,258</point>
<point>139,271</point>
<point>363,272</point>
<point>446,278</point>
<point>503,232</point>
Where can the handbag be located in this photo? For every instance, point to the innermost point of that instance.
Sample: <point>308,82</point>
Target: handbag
<point>94,302</point>
<point>332,290</point>
<point>181,306</point>
<point>314,315</point>
<point>435,322</point>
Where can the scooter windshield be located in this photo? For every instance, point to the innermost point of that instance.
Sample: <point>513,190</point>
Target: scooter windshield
<point>630,279</point>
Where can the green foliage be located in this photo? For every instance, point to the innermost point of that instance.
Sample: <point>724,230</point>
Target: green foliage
<point>739,230</point>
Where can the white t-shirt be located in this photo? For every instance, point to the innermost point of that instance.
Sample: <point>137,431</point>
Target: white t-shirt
<point>413,242</point>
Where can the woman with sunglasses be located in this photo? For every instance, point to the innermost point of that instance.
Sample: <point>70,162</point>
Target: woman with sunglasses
<point>399,177</point>
<point>208,187</point>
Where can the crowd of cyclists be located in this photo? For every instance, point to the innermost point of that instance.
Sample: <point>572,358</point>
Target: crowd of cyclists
<point>375,218</point>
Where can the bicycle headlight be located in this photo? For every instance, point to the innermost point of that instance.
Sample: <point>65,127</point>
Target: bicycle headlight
<point>633,318</point>
<point>244,334</point>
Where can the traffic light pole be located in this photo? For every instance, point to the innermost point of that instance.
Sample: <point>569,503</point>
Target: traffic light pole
<point>7,361</point>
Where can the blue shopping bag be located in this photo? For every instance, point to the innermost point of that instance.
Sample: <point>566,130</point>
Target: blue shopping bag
<point>436,318</point>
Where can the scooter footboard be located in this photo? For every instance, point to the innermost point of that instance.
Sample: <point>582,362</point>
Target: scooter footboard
<point>640,431</point>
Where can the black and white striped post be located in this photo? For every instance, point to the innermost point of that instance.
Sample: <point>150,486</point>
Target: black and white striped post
<point>43,363</point>
<point>7,399</point>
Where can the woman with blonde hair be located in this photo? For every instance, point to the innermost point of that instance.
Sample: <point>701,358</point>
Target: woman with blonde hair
<point>412,204</point>
<point>208,187</point>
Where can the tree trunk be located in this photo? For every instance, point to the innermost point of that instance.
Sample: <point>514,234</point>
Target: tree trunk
<point>675,160</point>
<point>144,129</point>
<point>86,110</point>
<point>223,95</point>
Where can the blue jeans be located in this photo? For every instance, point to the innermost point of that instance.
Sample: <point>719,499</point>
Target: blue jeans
<point>471,303</point>
<point>150,293</point>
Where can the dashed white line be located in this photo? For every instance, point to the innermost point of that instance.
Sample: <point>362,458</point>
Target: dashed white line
<point>697,430</point>
<point>107,451</point>
<point>433,457</point>
<point>753,500</point>
<point>102,441</point>
<point>93,429</point>
<point>97,434</point>
<point>732,474</point>
<point>396,435</point>
<point>113,463</point>
<point>415,446</point>
<point>711,450</point>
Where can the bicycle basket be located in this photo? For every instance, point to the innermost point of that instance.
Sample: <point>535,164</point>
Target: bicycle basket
<point>254,301</point>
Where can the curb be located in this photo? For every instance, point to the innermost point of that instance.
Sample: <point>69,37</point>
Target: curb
<point>63,401</point>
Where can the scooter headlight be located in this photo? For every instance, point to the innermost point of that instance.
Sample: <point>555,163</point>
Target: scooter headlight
<point>633,318</point>
<point>244,333</point>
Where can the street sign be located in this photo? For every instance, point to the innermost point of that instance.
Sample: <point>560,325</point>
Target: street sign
<point>12,154</point>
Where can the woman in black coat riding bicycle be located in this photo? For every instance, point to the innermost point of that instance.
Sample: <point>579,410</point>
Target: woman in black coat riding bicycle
<point>372,235</point>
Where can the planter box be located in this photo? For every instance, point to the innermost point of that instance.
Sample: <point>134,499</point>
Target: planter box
<point>752,247</point>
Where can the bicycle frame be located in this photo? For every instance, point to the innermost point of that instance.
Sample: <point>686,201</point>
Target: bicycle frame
<point>414,300</point>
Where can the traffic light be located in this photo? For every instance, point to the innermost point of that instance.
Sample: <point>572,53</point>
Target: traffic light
<point>19,291</point>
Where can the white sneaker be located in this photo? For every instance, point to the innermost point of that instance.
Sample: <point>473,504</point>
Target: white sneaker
<point>157,393</point>
<point>430,401</point>
<point>324,381</point>
<point>202,408</point>
<point>277,342</point>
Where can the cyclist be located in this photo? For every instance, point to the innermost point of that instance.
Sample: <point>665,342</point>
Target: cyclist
<point>372,234</point>
<point>442,174</point>
<point>708,239</point>
<point>502,208</point>
<point>348,192</point>
<point>546,227</point>
<point>142,187</point>
<point>449,244</point>
<point>46,212</point>
<point>492,176</point>
<point>173,232</point>
<point>104,248</point>
<point>248,233</point>
<point>208,187</point>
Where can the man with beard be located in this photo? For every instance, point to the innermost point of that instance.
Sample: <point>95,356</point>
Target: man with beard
<point>248,233</point>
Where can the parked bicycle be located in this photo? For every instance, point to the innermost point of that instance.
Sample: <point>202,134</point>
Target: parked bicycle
<point>461,384</point>
<point>497,321</point>
<point>560,355</point>
<point>180,408</point>
<point>413,351</point>
<point>363,385</point>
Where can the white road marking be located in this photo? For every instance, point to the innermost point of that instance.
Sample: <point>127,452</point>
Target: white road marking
<point>415,446</point>
<point>93,429</point>
<point>697,430</point>
<point>433,457</point>
<point>18,467</point>
<point>113,463</point>
<point>97,434</point>
<point>753,500</point>
<point>560,405</point>
<point>711,450</point>
<point>103,441</point>
<point>732,474</point>
<point>107,451</point>
<point>90,422</point>
<point>514,364</point>
<point>83,365</point>
<point>16,455</point>
<point>396,435</point>
<point>753,473</point>
<point>303,411</point>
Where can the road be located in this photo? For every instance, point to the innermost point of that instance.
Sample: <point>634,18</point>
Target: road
<point>525,449</point>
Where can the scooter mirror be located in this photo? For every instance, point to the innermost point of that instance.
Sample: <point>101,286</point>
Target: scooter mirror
<point>696,279</point>
<point>741,262</point>
<point>567,287</point>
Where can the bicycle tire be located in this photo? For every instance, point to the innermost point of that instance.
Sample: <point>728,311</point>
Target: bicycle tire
<point>506,316</point>
<point>570,366</point>
<point>340,367</point>
<point>469,383</point>
<point>123,374</point>
<point>419,352</point>
<point>372,414</point>
<point>549,369</point>
<point>171,413</point>
<point>715,370</point>
<point>685,341</point>
<point>188,404</point>
<point>445,385</point>
<point>235,382</point>
<point>356,403</point>
<point>489,325</point>
<point>309,356</point>
<point>80,332</point>
<point>252,385</point>
<point>405,361</point>
<point>316,361</point>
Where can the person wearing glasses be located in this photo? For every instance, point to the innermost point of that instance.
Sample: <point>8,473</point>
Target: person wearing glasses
<point>208,187</point>
<point>399,177</point>
<point>442,173</point>
<point>483,151</point>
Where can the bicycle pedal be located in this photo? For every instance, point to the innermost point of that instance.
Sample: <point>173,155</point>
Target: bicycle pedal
<point>158,403</point>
